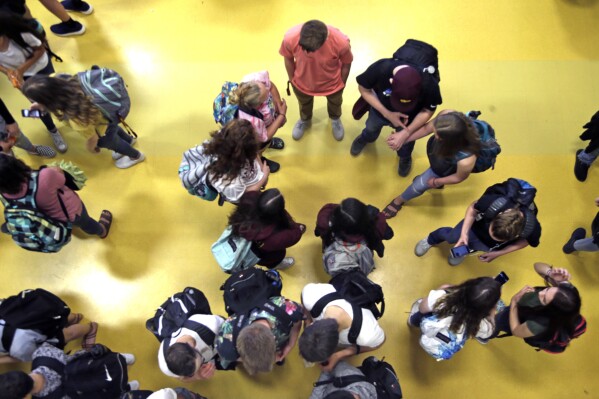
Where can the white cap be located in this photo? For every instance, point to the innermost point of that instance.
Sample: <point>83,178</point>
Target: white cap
<point>166,393</point>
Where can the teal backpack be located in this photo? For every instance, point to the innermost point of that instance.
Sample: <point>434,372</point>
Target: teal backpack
<point>223,110</point>
<point>233,253</point>
<point>31,229</point>
<point>490,147</point>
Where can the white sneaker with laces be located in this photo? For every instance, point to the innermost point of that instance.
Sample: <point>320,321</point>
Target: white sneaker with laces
<point>455,261</point>
<point>127,162</point>
<point>129,358</point>
<point>300,128</point>
<point>338,130</point>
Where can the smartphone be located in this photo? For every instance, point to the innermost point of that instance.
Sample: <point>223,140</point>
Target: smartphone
<point>502,278</point>
<point>460,251</point>
<point>31,113</point>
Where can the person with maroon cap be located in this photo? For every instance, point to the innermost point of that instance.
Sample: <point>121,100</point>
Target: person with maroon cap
<point>399,96</point>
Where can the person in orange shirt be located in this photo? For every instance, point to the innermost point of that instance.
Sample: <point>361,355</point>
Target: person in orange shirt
<point>318,59</point>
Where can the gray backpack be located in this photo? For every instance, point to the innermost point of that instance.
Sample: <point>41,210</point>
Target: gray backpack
<point>108,92</point>
<point>341,256</point>
<point>193,173</point>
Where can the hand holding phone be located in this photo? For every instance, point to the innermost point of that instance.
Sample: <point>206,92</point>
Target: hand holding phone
<point>31,113</point>
<point>460,251</point>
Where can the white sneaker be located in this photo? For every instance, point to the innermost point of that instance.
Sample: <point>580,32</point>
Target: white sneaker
<point>455,261</point>
<point>129,358</point>
<point>59,142</point>
<point>422,247</point>
<point>127,162</point>
<point>300,128</point>
<point>338,130</point>
<point>134,385</point>
<point>286,263</point>
<point>116,156</point>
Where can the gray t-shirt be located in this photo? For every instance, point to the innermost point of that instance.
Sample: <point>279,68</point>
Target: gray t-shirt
<point>363,389</point>
<point>23,343</point>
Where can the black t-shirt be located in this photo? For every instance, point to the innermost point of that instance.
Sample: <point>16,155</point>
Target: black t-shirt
<point>377,77</point>
<point>481,227</point>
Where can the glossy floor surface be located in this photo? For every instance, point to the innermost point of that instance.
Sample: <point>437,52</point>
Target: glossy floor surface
<point>531,67</point>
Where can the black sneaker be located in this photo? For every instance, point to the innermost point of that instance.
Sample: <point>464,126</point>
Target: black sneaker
<point>69,28</point>
<point>276,143</point>
<point>581,169</point>
<point>77,6</point>
<point>577,234</point>
<point>357,146</point>
<point>405,166</point>
<point>272,165</point>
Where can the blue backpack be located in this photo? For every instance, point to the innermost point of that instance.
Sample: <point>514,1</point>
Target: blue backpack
<point>30,228</point>
<point>233,253</point>
<point>437,340</point>
<point>490,148</point>
<point>108,92</point>
<point>223,110</point>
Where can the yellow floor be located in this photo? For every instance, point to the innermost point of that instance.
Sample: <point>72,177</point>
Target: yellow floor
<point>530,66</point>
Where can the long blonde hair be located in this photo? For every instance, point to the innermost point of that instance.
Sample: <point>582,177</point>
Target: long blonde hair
<point>247,95</point>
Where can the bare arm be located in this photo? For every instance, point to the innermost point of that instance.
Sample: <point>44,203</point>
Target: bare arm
<point>290,67</point>
<point>519,329</point>
<point>552,275</point>
<point>345,68</point>
<point>292,341</point>
<point>489,256</point>
<point>370,97</point>
<point>469,219</point>
<point>8,359</point>
<point>397,139</point>
<point>425,129</point>
<point>345,353</point>
<point>465,167</point>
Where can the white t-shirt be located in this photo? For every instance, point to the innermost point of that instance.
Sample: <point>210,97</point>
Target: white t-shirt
<point>371,334</point>
<point>206,349</point>
<point>485,330</point>
<point>15,55</point>
<point>234,189</point>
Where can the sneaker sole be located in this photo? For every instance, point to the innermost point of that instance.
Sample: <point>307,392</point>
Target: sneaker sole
<point>77,33</point>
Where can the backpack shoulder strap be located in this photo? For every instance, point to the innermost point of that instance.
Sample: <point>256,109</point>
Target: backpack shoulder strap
<point>324,301</point>
<point>356,325</point>
<point>204,332</point>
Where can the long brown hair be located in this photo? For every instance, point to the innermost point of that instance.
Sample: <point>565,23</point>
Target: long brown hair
<point>64,98</point>
<point>456,133</point>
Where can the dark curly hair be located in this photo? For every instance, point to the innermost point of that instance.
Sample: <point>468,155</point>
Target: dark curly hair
<point>231,148</point>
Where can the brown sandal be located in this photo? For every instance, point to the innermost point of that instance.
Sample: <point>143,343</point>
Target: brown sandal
<point>89,339</point>
<point>391,210</point>
<point>106,222</point>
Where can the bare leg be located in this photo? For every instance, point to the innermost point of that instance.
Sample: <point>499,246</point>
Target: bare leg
<point>56,8</point>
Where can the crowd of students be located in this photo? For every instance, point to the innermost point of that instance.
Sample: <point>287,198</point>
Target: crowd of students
<point>327,324</point>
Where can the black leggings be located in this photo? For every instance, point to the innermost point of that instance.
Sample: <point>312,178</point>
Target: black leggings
<point>117,140</point>
<point>87,224</point>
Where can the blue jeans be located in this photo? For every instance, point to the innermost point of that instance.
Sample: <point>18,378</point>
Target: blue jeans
<point>372,131</point>
<point>588,158</point>
<point>419,185</point>
<point>586,244</point>
<point>452,235</point>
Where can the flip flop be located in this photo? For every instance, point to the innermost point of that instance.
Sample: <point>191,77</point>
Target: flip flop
<point>76,320</point>
<point>391,210</point>
<point>106,222</point>
<point>89,339</point>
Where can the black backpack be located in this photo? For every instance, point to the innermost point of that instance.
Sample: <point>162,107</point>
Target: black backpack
<point>558,341</point>
<point>249,289</point>
<point>37,309</point>
<point>360,292</point>
<point>515,193</point>
<point>97,374</point>
<point>419,55</point>
<point>175,311</point>
<point>378,372</point>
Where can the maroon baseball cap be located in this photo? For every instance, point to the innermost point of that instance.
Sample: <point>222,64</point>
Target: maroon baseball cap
<point>405,89</point>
